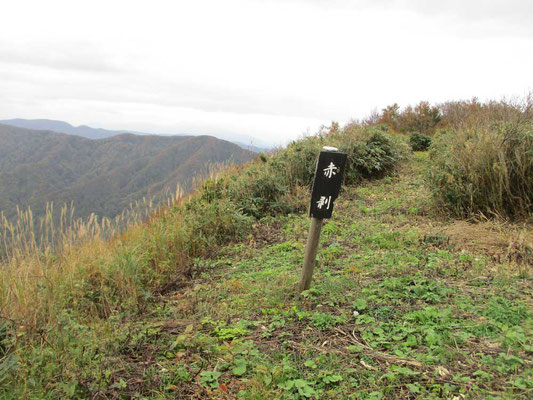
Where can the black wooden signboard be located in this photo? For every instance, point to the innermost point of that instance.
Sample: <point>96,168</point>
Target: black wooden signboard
<point>328,179</point>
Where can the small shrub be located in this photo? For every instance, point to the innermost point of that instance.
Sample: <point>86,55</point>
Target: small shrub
<point>484,170</point>
<point>372,151</point>
<point>419,142</point>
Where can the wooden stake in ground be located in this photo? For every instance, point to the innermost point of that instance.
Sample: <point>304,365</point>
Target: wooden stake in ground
<point>326,186</point>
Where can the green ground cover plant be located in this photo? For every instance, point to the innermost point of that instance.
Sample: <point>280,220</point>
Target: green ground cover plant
<point>394,312</point>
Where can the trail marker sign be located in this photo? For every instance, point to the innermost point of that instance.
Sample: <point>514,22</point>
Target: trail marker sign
<point>326,186</point>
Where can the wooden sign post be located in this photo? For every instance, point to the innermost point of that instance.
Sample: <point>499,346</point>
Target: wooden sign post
<point>326,186</point>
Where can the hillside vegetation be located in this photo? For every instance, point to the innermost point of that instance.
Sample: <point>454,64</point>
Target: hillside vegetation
<point>201,300</point>
<point>485,170</point>
<point>100,176</point>
<point>482,155</point>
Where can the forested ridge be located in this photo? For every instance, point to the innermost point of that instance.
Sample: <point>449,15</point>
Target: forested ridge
<point>100,176</point>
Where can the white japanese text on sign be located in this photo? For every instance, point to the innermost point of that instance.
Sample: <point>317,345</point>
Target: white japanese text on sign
<point>324,201</point>
<point>330,170</point>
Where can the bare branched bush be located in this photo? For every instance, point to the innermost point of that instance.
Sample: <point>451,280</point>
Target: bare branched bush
<point>475,114</point>
<point>429,119</point>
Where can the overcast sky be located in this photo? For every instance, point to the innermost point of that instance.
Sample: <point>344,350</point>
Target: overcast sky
<point>272,70</point>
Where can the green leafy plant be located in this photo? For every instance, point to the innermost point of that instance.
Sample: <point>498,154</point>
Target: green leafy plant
<point>210,378</point>
<point>239,368</point>
<point>329,378</point>
<point>323,321</point>
<point>300,387</point>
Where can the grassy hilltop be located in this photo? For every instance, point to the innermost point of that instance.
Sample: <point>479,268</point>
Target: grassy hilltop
<point>423,284</point>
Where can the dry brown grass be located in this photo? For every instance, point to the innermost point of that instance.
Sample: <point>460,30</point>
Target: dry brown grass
<point>96,266</point>
<point>42,261</point>
<point>26,236</point>
<point>484,171</point>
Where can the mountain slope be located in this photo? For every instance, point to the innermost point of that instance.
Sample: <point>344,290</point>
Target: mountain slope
<point>102,176</point>
<point>245,142</point>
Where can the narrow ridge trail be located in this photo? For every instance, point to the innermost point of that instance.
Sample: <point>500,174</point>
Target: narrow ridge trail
<point>403,305</point>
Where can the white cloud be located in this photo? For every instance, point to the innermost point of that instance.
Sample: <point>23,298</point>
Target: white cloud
<point>269,69</point>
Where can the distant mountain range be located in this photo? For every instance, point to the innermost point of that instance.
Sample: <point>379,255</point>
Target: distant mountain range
<point>61,127</point>
<point>103,175</point>
<point>98,133</point>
